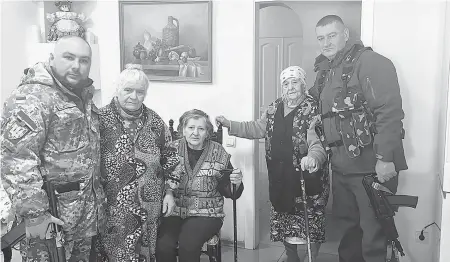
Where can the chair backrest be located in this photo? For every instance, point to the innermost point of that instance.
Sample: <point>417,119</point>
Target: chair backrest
<point>217,135</point>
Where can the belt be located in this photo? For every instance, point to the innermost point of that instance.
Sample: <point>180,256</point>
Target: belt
<point>68,187</point>
<point>347,113</point>
<point>336,143</point>
<point>328,114</point>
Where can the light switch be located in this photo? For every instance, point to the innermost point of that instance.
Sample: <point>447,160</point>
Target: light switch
<point>231,142</point>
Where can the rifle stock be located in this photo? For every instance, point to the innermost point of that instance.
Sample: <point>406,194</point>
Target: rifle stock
<point>384,205</point>
<point>14,236</point>
<point>56,248</point>
<point>56,245</point>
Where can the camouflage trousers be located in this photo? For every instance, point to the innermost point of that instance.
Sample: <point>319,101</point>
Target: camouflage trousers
<point>40,250</point>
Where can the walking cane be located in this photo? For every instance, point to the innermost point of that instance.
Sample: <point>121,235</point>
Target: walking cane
<point>233,193</point>
<point>235,223</point>
<point>305,209</point>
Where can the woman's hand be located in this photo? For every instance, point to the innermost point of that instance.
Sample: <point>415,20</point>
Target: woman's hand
<point>236,177</point>
<point>310,164</point>
<point>168,204</point>
<point>314,121</point>
<point>222,120</point>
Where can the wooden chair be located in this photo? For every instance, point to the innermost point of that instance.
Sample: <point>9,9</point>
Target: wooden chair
<point>213,247</point>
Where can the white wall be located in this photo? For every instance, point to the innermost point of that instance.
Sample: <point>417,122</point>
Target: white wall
<point>445,238</point>
<point>231,92</point>
<point>16,19</point>
<point>445,211</point>
<point>444,127</point>
<point>411,41</point>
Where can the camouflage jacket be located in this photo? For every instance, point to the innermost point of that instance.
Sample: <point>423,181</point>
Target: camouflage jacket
<point>48,130</point>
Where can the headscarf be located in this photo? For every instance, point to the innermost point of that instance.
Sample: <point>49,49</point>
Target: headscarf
<point>293,72</point>
<point>297,73</point>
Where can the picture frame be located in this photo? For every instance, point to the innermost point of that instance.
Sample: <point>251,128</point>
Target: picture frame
<point>172,40</point>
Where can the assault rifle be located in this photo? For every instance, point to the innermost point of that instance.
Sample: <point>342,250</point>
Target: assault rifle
<point>56,246</point>
<point>385,204</point>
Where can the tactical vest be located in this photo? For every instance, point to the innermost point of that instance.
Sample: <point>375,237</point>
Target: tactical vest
<point>354,120</point>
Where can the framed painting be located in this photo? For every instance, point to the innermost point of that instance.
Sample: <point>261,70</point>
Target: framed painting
<point>170,39</point>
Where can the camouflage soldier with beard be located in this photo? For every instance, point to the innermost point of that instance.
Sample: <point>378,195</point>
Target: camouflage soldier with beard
<point>50,127</point>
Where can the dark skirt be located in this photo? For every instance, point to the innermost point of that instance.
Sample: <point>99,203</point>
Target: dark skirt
<point>292,224</point>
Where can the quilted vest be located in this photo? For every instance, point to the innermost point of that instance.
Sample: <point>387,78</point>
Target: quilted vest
<point>197,194</point>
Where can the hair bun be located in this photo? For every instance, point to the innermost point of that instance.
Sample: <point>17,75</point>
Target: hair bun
<point>134,66</point>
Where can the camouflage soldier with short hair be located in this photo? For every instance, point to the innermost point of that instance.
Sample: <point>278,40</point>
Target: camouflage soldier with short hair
<point>361,111</point>
<point>50,128</point>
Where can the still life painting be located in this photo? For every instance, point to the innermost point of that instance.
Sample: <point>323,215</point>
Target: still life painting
<point>171,40</point>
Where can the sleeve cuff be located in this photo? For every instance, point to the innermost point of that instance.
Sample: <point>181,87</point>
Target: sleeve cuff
<point>230,130</point>
<point>36,218</point>
<point>386,156</point>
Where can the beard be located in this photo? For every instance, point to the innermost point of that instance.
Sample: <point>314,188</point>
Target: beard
<point>66,83</point>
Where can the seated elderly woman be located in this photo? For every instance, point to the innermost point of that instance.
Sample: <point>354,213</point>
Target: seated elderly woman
<point>198,214</point>
<point>288,125</point>
<point>134,160</point>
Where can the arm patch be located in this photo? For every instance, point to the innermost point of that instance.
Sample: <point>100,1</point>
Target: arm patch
<point>17,128</point>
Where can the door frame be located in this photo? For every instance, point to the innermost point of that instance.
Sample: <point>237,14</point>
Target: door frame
<point>367,18</point>
<point>444,172</point>
<point>256,113</point>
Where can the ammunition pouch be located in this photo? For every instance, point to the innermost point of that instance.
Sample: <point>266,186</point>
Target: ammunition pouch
<point>352,120</point>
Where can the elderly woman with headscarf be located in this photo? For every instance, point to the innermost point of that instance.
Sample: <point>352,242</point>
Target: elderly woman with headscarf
<point>135,158</point>
<point>199,214</point>
<point>288,125</point>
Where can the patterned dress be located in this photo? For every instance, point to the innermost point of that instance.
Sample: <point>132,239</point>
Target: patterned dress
<point>290,226</point>
<point>295,142</point>
<point>134,158</point>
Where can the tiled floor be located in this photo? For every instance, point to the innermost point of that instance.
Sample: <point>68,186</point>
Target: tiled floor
<point>274,251</point>
<point>265,253</point>
<point>268,251</point>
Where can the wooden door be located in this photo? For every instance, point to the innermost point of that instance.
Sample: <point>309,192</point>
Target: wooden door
<point>275,54</point>
<point>270,66</point>
<point>292,51</point>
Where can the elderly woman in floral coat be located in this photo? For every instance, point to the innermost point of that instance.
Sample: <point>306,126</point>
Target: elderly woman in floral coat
<point>291,144</point>
<point>134,160</point>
